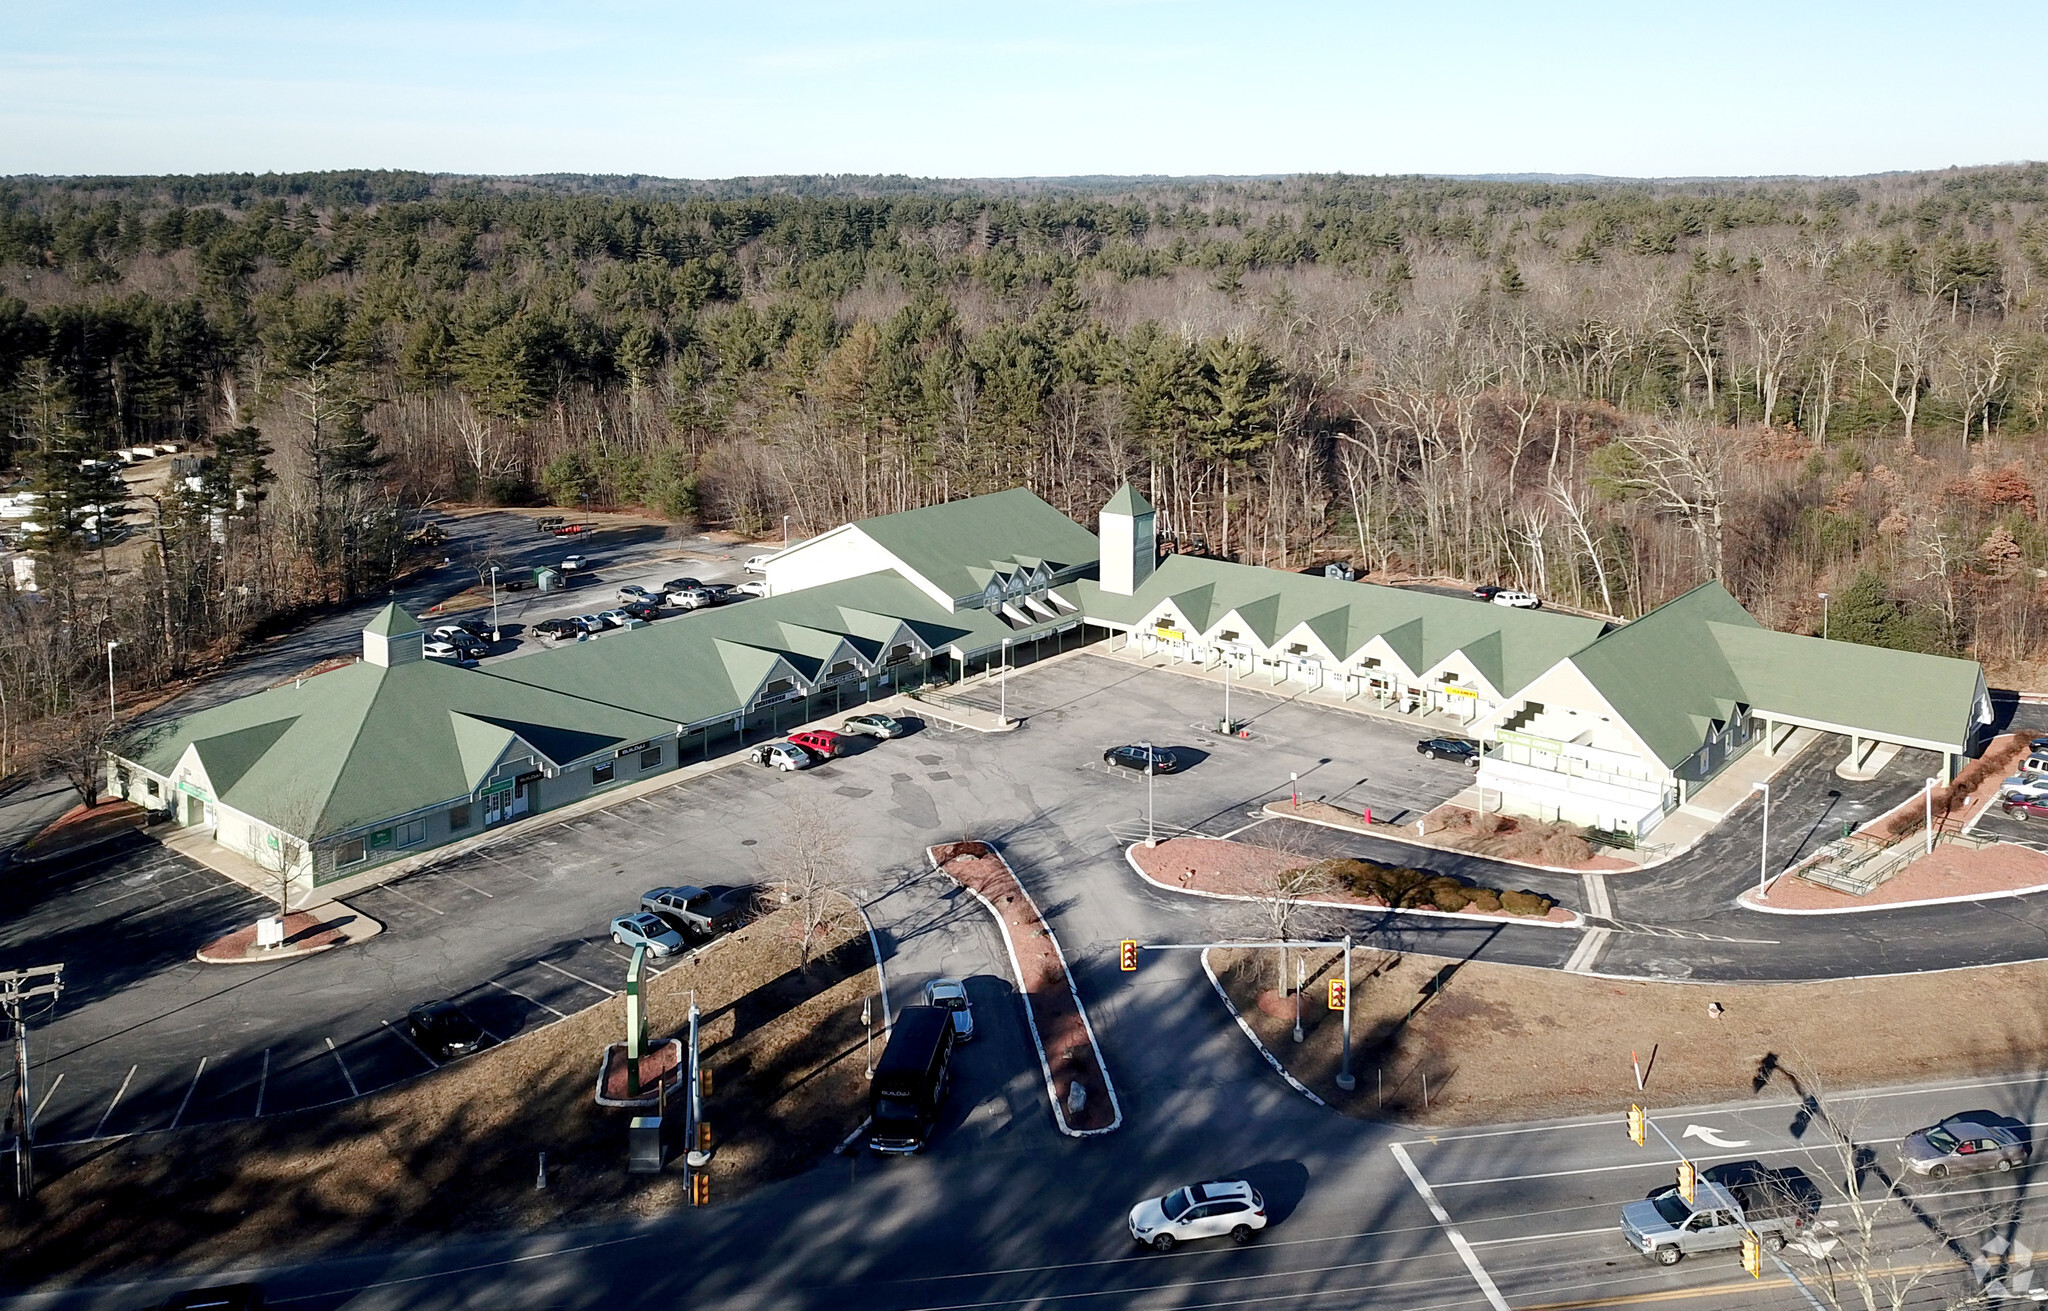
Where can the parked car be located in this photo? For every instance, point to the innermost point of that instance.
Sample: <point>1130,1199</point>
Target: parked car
<point>2022,809</point>
<point>449,652</point>
<point>1204,1210</point>
<point>477,628</point>
<point>680,584</point>
<point>881,726</point>
<point>1144,758</point>
<point>780,755</point>
<point>1963,1144</point>
<point>591,623</point>
<point>573,529</point>
<point>645,611</point>
<point>571,563</point>
<point>558,628</point>
<point>2024,787</point>
<point>1519,600</point>
<point>755,563</point>
<point>634,592</point>
<point>461,639</point>
<point>1449,748</point>
<point>220,1297</point>
<point>703,911</point>
<point>1487,591</point>
<point>692,598</point>
<point>443,1030</point>
<point>820,742</point>
<point>747,591</point>
<point>614,618</point>
<point>720,592</point>
<point>548,523</point>
<point>648,929</point>
<point>950,995</point>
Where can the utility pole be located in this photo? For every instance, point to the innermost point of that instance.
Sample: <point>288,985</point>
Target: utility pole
<point>20,990</point>
<point>111,644</point>
<point>1345,1079</point>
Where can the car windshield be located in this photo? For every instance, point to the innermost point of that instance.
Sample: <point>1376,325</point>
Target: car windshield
<point>887,1108</point>
<point>1673,1208</point>
<point>1940,1139</point>
<point>1176,1203</point>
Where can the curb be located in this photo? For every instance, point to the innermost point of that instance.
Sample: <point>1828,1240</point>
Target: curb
<point>1059,1114</point>
<point>1577,921</point>
<point>347,939</point>
<point>1257,1042</point>
<point>1290,813</point>
<point>1747,901</point>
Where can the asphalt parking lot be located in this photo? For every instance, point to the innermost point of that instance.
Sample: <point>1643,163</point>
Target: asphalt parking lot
<point>518,931</point>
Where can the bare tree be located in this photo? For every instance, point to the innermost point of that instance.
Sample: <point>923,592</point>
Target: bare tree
<point>1899,344</point>
<point>1282,907</point>
<point>74,745</point>
<point>812,872</point>
<point>1681,469</point>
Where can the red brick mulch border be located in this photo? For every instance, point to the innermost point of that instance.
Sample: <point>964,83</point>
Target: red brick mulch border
<point>1067,1046</point>
<point>81,827</point>
<point>303,935</point>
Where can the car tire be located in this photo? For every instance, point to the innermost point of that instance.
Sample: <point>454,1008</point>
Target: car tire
<point>1937,1172</point>
<point>1778,1242</point>
<point>1162,1242</point>
<point>1669,1256</point>
<point>2004,1166</point>
<point>1241,1235</point>
<point>618,940</point>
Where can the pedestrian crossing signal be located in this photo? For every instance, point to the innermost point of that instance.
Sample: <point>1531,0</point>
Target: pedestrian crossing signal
<point>1127,955</point>
<point>1688,1181</point>
<point>1638,1132</point>
<point>1752,1254</point>
<point>1338,1000</point>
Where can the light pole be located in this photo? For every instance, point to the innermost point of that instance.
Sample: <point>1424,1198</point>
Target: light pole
<point>1300,980</point>
<point>1823,616</point>
<point>1930,816</point>
<point>785,532</point>
<point>496,635</point>
<point>1003,686</point>
<point>1763,856</point>
<point>1151,835</point>
<point>1228,726</point>
<point>111,644</point>
<point>1345,1078</point>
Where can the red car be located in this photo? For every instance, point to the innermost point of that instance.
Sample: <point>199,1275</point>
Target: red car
<point>820,742</point>
<point>2022,808</point>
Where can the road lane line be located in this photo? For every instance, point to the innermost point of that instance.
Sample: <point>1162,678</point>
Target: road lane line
<point>190,1088</point>
<point>578,977</point>
<point>353,1091</point>
<point>1443,1217</point>
<point>1587,952</point>
<point>48,1093</point>
<point>528,1000</point>
<point>118,1094</point>
<point>262,1084</point>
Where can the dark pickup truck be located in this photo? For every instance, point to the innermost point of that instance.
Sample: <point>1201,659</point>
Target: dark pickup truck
<point>705,912</point>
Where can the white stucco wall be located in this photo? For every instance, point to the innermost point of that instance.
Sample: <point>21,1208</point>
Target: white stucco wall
<point>845,552</point>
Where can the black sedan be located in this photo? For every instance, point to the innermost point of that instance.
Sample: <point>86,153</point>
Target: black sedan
<point>1448,748</point>
<point>558,628</point>
<point>1144,758</point>
<point>443,1030</point>
<point>1487,591</point>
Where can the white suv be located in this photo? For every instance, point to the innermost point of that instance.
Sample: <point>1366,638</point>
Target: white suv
<point>1519,600</point>
<point>1204,1210</point>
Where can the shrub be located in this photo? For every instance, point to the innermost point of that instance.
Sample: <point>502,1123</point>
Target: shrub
<point>1449,894</point>
<point>1525,903</point>
<point>1484,900</point>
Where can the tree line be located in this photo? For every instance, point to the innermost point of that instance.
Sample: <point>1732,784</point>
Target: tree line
<point>1605,392</point>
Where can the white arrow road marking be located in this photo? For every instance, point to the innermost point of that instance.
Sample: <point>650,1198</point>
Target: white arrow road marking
<point>1710,1138</point>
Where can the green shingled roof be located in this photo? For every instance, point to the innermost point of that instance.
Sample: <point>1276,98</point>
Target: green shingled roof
<point>1510,647</point>
<point>1127,501</point>
<point>959,545</point>
<point>1692,661</point>
<point>392,621</point>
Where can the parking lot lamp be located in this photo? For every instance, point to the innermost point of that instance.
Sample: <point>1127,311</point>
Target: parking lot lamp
<point>1228,726</point>
<point>1151,835</point>
<point>1823,616</point>
<point>1003,686</point>
<point>111,644</point>
<point>785,532</point>
<point>1930,816</point>
<point>496,636</point>
<point>1300,981</point>
<point>1763,858</point>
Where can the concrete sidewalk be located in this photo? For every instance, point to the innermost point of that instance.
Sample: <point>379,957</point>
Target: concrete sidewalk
<point>1259,694</point>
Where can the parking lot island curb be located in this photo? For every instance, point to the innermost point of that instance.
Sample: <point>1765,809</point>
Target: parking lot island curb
<point>1245,1024</point>
<point>1577,921</point>
<point>1059,1114</point>
<point>324,927</point>
<point>1390,833</point>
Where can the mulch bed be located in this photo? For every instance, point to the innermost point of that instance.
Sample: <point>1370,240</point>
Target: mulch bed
<point>1047,991</point>
<point>303,933</point>
<point>454,1151</point>
<point>1955,804</point>
<point>1951,871</point>
<point>659,1066</point>
<point>1240,868</point>
<point>1512,838</point>
<point>82,826</point>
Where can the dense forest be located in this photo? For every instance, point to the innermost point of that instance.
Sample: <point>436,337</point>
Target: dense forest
<point>1605,392</point>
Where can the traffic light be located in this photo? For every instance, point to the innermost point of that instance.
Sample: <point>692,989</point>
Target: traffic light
<point>1338,1001</point>
<point>700,1189</point>
<point>704,1083</point>
<point>1127,955</point>
<point>1638,1126</point>
<point>1752,1254</point>
<point>1688,1179</point>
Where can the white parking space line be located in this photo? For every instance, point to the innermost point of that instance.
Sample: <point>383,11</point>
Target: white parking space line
<point>514,869</point>
<point>1443,1217</point>
<point>1541,1238</point>
<point>529,1000</point>
<point>48,1093</point>
<point>394,890</point>
<point>118,1094</point>
<point>577,977</point>
<point>350,1079</point>
<point>190,1088</point>
<point>406,1038</point>
<point>262,1083</point>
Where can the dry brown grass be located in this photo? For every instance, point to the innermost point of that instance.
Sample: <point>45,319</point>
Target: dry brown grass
<point>1509,837</point>
<point>456,1150</point>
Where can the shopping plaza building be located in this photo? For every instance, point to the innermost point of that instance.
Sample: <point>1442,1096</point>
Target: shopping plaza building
<point>1611,726</point>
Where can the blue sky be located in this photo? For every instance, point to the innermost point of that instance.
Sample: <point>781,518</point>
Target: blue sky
<point>971,89</point>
